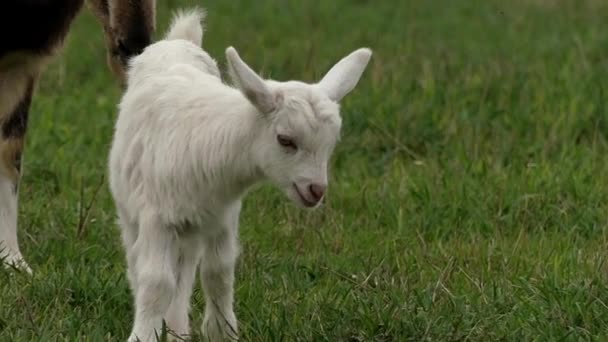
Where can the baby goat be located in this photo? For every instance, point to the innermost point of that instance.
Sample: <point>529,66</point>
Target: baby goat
<point>186,149</point>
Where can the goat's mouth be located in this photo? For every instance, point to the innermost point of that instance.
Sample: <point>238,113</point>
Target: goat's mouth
<point>304,200</point>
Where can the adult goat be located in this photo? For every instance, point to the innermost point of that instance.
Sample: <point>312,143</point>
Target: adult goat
<point>32,32</point>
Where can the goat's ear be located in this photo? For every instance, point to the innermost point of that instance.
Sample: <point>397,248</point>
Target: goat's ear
<point>343,77</point>
<point>253,86</point>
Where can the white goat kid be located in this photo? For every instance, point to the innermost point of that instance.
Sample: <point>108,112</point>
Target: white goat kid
<point>187,148</point>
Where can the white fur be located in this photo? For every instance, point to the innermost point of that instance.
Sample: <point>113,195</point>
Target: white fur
<point>9,246</point>
<point>187,25</point>
<point>186,149</point>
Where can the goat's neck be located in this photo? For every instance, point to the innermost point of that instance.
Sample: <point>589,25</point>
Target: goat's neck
<point>230,163</point>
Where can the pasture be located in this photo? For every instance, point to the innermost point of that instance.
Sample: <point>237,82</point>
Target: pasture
<point>468,197</point>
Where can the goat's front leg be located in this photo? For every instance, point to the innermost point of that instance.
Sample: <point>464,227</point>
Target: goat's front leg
<point>217,278</point>
<point>16,92</point>
<point>156,251</point>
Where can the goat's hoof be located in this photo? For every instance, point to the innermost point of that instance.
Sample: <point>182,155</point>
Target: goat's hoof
<point>218,328</point>
<point>15,261</point>
<point>134,338</point>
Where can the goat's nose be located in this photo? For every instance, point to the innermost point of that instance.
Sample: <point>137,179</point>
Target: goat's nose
<point>317,191</point>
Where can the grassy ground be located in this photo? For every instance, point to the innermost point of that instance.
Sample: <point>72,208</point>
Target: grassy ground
<point>469,195</point>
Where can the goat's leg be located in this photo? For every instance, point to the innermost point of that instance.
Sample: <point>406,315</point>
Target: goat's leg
<point>16,92</point>
<point>128,29</point>
<point>217,278</point>
<point>128,232</point>
<point>177,315</point>
<point>156,251</point>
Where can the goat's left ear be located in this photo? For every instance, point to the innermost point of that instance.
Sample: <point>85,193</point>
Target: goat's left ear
<point>252,85</point>
<point>342,78</point>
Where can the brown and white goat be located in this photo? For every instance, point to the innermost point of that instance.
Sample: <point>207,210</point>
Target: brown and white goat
<point>32,32</point>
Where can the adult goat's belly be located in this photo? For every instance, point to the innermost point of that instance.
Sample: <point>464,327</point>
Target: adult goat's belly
<point>35,27</point>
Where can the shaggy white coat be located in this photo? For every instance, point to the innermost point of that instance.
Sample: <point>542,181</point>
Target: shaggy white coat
<point>186,149</point>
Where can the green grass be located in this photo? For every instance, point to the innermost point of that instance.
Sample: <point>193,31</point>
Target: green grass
<point>469,193</point>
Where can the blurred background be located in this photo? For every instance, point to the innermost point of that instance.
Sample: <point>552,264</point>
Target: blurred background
<point>468,197</point>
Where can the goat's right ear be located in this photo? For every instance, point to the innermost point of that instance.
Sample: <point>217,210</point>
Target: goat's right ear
<point>252,85</point>
<point>342,78</point>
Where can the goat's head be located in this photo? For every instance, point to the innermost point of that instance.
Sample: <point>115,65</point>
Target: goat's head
<point>294,148</point>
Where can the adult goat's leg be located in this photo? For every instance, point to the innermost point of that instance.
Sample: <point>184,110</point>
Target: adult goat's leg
<point>128,29</point>
<point>16,90</point>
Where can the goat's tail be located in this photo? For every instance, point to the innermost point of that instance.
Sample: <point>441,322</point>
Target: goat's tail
<point>187,25</point>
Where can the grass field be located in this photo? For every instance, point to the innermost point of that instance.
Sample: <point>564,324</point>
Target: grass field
<point>469,193</point>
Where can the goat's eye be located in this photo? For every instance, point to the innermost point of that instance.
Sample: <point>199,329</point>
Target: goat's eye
<point>286,141</point>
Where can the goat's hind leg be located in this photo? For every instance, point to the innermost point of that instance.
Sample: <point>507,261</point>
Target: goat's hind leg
<point>14,115</point>
<point>128,232</point>
<point>177,314</point>
<point>156,255</point>
<point>128,29</point>
<point>217,278</point>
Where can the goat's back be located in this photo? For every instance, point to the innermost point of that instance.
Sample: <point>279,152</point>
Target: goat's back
<point>164,54</point>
